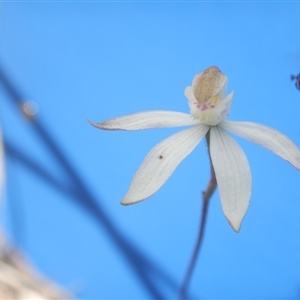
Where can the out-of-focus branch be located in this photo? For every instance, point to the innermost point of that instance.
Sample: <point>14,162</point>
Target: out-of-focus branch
<point>151,275</point>
<point>37,168</point>
<point>19,280</point>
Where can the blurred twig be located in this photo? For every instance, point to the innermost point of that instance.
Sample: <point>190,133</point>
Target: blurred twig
<point>19,280</point>
<point>150,274</point>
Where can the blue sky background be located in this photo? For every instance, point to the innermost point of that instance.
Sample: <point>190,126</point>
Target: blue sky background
<point>97,60</point>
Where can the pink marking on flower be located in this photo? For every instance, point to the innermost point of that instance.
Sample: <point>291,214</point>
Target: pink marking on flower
<point>204,107</point>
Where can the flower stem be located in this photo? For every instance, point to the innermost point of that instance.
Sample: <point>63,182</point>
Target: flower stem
<point>206,195</point>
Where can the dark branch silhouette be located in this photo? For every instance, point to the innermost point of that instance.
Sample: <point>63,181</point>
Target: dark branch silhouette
<point>150,274</point>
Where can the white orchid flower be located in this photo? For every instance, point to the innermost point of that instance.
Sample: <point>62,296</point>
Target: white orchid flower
<point>209,107</point>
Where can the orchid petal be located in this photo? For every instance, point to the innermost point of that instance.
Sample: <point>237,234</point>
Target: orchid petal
<point>147,120</point>
<point>233,175</point>
<point>192,101</point>
<point>162,161</point>
<point>266,137</point>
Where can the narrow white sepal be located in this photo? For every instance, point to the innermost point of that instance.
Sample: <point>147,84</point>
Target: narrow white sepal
<point>233,175</point>
<point>162,161</point>
<point>147,120</point>
<point>267,137</point>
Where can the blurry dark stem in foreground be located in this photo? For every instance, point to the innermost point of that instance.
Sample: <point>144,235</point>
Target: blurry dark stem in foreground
<point>147,271</point>
<point>205,201</point>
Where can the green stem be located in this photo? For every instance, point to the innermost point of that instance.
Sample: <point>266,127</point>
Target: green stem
<point>206,195</point>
